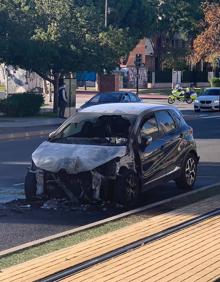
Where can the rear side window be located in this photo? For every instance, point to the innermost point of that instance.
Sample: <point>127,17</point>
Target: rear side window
<point>178,117</point>
<point>150,128</point>
<point>165,121</point>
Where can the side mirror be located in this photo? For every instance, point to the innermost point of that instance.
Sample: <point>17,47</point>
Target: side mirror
<point>146,140</point>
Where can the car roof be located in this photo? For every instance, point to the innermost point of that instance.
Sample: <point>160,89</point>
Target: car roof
<point>124,108</point>
<point>210,88</point>
<point>115,92</point>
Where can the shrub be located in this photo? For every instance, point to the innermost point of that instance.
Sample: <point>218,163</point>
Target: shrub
<point>22,105</point>
<point>215,82</point>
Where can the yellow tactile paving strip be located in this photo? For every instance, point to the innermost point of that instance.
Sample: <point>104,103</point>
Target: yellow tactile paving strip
<point>192,254</point>
<point>62,259</point>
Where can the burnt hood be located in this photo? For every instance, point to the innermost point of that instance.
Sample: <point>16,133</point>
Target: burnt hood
<point>74,158</point>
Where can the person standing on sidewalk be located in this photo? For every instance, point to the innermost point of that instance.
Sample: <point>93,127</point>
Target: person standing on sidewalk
<point>62,98</point>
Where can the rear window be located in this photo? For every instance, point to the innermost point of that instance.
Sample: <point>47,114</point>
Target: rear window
<point>110,97</point>
<point>211,92</point>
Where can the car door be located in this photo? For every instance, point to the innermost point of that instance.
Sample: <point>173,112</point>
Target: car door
<point>171,136</point>
<point>151,155</point>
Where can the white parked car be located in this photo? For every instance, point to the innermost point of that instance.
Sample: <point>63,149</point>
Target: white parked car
<point>209,100</point>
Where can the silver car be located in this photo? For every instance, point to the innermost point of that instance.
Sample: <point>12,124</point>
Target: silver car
<point>208,101</point>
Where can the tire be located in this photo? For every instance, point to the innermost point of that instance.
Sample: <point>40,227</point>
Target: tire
<point>189,100</point>
<point>127,190</point>
<point>188,175</point>
<point>171,100</point>
<point>30,186</point>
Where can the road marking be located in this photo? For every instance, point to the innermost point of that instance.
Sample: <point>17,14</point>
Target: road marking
<point>209,117</point>
<point>15,163</point>
<point>18,184</point>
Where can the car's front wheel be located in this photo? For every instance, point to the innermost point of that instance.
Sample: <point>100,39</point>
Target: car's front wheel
<point>127,189</point>
<point>30,186</point>
<point>188,175</point>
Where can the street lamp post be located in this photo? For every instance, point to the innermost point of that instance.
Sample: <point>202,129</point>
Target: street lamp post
<point>106,13</point>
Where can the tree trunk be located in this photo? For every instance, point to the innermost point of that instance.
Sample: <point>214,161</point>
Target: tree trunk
<point>56,92</point>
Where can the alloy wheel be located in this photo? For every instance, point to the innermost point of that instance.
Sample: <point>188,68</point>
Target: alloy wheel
<point>190,171</point>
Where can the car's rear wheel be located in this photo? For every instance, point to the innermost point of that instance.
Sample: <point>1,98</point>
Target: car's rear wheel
<point>127,189</point>
<point>188,175</point>
<point>189,100</point>
<point>30,186</point>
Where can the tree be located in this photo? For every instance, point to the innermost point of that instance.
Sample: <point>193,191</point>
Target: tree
<point>57,37</point>
<point>175,17</point>
<point>207,43</point>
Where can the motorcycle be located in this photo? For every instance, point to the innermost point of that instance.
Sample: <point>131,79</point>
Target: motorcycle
<point>183,95</point>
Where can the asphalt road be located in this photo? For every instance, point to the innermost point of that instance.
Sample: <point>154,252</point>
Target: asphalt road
<point>22,225</point>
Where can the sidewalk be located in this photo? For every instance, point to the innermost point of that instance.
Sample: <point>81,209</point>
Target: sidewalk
<point>189,252</point>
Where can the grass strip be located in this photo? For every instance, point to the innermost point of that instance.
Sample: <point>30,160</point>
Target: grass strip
<point>71,240</point>
<point>31,253</point>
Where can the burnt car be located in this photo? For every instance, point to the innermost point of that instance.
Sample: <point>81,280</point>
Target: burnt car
<point>112,97</point>
<point>114,152</point>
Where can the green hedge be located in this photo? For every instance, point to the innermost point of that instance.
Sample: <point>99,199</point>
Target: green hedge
<point>22,105</point>
<point>215,82</point>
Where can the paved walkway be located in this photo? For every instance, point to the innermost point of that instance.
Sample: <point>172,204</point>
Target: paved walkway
<point>188,255</point>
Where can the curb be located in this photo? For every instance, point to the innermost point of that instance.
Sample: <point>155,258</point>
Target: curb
<point>18,135</point>
<point>101,222</point>
<point>152,98</point>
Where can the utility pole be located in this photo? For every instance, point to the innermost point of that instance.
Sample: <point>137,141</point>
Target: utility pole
<point>106,13</point>
<point>137,81</point>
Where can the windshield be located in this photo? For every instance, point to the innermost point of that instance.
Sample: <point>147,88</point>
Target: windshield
<point>96,128</point>
<point>211,92</point>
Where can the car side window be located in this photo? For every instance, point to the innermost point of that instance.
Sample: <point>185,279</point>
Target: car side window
<point>150,128</point>
<point>126,98</point>
<point>165,121</point>
<point>133,97</point>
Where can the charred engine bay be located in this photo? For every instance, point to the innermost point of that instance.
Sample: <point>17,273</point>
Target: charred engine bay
<point>96,186</point>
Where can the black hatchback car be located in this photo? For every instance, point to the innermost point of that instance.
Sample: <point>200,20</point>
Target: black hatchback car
<point>112,97</point>
<point>114,152</point>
